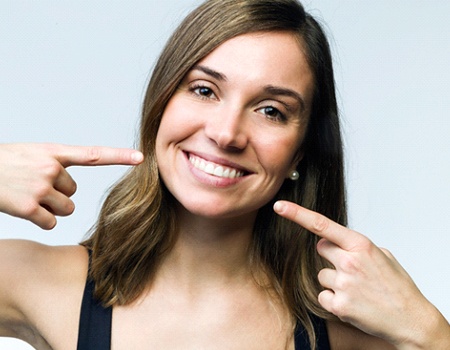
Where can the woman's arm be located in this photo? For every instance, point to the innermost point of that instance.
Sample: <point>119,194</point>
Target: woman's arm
<point>368,288</point>
<point>12,321</point>
<point>23,265</point>
<point>34,185</point>
<point>40,292</point>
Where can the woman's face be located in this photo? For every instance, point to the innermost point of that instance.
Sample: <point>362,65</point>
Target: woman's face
<point>231,133</point>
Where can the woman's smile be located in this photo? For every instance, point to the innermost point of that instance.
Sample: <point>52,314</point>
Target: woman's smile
<point>214,169</point>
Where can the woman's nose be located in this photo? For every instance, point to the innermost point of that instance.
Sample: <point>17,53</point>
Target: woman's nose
<point>228,129</point>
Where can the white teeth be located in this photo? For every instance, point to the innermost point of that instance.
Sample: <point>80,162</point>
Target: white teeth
<point>218,171</point>
<point>214,169</point>
<point>209,169</point>
<point>202,165</point>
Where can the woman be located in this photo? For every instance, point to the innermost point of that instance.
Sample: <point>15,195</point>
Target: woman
<point>187,253</point>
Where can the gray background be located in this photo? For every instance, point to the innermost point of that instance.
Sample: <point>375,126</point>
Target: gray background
<point>75,73</point>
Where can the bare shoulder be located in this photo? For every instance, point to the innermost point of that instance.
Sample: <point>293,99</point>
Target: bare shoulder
<point>40,289</point>
<point>346,337</point>
<point>28,262</point>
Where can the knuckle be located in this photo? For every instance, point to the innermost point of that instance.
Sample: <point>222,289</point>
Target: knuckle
<point>387,253</point>
<point>49,148</point>
<point>366,244</point>
<point>320,223</point>
<point>42,191</point>
<point>362,245</point>
<point>350,264</point>
<point>29,209</point>
<point>52,169</point>
<point>93,155</point>
<point>343,284</point>
<point>341,307</point>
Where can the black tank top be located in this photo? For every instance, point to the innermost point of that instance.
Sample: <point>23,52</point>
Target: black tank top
<point>95,326</point>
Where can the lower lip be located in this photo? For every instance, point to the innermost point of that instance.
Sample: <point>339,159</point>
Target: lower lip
<point>211,180</point>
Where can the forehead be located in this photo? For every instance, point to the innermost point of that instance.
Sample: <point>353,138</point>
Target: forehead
<point>264,58</point>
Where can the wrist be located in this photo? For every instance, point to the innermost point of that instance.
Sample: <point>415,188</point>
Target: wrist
<point>432,332</point>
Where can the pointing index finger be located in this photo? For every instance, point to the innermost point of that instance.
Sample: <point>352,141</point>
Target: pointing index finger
<point>96,155</point>
<point>318,224</point>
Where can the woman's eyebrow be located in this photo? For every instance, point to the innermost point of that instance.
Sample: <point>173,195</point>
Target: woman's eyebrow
<point>210,72</point>
<point>281,91</point>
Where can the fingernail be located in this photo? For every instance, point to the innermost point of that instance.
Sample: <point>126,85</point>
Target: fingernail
<point>137,157</point>
<point>279,207</point>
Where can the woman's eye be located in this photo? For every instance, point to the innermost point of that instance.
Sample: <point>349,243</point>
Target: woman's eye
<point>272,113</point>
<point>203,91</point>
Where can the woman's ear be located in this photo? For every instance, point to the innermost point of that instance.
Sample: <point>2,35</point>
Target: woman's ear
<point>298,157</point>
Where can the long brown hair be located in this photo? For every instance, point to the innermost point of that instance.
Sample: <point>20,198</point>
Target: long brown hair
<point>137,226</point>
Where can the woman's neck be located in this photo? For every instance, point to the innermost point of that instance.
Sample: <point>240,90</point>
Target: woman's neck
<point>209,251</point>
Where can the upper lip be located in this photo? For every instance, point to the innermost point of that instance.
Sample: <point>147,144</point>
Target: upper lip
<point>220,161</point>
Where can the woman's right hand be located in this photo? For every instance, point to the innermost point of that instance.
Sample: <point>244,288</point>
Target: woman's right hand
<point>34,182</point>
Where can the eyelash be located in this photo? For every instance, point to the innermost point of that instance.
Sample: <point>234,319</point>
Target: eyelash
<point>196,90</point>
<point>280,116</point>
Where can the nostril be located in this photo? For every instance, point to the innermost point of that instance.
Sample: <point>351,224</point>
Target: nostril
<point>228,130</point>
<point>230,140</point>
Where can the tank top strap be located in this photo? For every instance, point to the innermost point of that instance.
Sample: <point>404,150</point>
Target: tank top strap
<point>94,331</point>
<point>301,335</point>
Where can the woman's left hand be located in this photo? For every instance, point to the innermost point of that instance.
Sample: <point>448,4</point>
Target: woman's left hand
<point>368,288</point>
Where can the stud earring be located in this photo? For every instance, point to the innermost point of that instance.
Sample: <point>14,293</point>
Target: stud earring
<point>294,175</point>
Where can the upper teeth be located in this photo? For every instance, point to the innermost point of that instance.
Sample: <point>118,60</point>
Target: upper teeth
<point>214,169</point>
